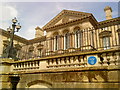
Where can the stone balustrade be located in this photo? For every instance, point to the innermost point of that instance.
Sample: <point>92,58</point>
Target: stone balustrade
<point>26,65</point>
<point>103,59</point>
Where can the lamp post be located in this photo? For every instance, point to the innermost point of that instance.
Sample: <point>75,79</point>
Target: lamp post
<point>10,50</point>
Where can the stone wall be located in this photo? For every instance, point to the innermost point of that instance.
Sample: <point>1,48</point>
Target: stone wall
<point>99,77</point>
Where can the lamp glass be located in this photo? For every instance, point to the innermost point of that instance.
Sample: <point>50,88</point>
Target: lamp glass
<point>14,20</point>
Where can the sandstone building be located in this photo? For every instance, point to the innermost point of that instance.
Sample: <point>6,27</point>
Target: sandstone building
<point>77,52</point>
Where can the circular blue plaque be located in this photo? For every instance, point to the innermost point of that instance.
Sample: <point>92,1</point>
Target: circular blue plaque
<point>92,60</point>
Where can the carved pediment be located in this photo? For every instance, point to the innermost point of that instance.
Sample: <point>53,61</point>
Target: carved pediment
<point>6,42</point>
<point>31,48</point>
<point>105,34</point>
<point>66,16</point>
<point>40,46</point>
<point>18,46</point>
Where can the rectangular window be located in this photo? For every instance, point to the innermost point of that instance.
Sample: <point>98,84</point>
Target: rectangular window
<point>106,43</point>
<point>119,37</point>
<point>66,43</point>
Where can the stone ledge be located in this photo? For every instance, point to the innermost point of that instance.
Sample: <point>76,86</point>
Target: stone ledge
<point>6,60</point>
<point>75,69</point>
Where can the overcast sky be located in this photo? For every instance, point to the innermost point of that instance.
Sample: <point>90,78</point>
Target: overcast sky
<point>33,14</point>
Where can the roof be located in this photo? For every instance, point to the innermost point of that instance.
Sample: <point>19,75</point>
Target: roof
<point>109,22</point>
<point>64,13</point>
<point>21,39</point>
<point>16,37</point>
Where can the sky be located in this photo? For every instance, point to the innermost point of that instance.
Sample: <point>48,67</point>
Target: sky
<point>33,14</point>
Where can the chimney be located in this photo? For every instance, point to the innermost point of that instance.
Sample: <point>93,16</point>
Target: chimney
<point>39,32</point>
<point>108,12</point>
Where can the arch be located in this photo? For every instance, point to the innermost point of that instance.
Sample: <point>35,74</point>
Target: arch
<point>39,84</point>
<point>78,37</point>
<point>55,41</point>
<point>65,31</point>
<point>31,48</point>
<point>76,28</point>
<point>55,34</point>
<point>18,46</point>
<point>105,34</point>
<point>40,46</point>
<point>66,38</point>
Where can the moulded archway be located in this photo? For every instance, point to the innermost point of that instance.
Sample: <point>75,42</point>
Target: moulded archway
<point>39,84</point>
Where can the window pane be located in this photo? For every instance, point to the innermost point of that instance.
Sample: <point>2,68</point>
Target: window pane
<point>106,42</point>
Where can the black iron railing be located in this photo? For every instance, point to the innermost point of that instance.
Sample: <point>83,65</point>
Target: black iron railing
<point>85,40</point>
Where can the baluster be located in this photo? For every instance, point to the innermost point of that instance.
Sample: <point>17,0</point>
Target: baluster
<point>82,61</point>
<point>67,60</point>
<point>85,61</point>
<point>54,61</point>
<point>62,61</point>
<point>108,57</point>
<point>104,59</point>
<point>50,62</point>
<point>71,60</point>
<point>117,58</point>
<point>59,62</point>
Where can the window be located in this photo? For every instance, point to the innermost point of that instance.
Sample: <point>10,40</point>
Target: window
<point>106,42</point>
<point>105,36</point>
<point>30,53</point>
<point>40,52</point>
<point>78,38</point>
<point>66,38</point>
<point>56,42</point>
<point>119,36</point>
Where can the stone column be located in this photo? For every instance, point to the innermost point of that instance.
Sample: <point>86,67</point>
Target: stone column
<point>1,44</point>
<point>5,68</point>
<point>14,81</point>
<point>73,40</point>
<point>60,42</point>
<point>52,45</point>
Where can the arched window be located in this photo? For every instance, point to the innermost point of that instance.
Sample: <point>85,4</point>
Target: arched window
<point>78,38</point>
<point>67,40</point>
<point>56,42</point>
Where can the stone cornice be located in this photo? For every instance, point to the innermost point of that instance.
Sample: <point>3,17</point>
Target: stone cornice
<point>35,40</point>
<point>109,22</point>
<point>67,69</point>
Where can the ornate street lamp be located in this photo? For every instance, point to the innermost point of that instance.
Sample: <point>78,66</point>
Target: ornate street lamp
<point>10,51</point>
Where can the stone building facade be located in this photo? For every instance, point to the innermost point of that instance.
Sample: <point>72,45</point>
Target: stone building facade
<point>77,52</point>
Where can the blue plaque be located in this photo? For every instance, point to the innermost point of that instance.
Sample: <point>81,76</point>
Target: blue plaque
<point>92,60</point>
